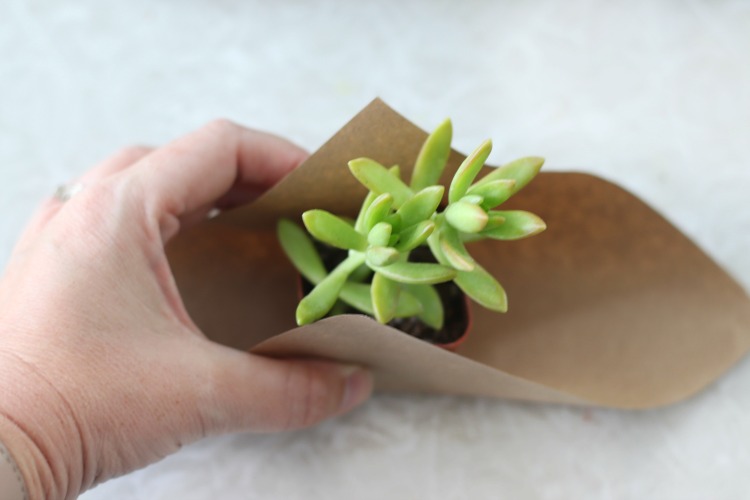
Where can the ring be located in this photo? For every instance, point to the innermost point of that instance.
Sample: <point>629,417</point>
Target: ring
<point>67,191</point>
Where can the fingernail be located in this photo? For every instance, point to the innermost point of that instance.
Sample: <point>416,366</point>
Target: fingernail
<point>358,387</point>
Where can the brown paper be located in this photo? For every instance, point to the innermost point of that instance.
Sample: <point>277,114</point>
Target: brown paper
<point>610,306</point>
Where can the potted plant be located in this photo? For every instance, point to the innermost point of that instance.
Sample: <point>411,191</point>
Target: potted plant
<point>403,260</point>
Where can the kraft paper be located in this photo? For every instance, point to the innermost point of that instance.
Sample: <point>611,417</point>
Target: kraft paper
<point>610,306</point>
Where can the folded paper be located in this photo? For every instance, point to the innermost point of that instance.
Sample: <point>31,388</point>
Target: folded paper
<point>610,306</point>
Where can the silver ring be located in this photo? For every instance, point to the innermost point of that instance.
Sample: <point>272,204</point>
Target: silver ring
<point>67,191</point>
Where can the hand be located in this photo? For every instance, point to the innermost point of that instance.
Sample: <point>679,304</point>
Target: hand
<point>102,370</point>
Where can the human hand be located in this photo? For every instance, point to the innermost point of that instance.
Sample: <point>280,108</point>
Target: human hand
<point>102,370</point>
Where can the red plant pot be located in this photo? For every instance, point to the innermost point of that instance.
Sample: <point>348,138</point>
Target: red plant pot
<point>453,346</point>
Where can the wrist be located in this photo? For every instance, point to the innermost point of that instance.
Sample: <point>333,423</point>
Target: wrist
<point>11,480</point>
<point>39,433</point>
<point>21,478</point>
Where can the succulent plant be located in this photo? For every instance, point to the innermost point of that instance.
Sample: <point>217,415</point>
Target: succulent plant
<point>376,277</point>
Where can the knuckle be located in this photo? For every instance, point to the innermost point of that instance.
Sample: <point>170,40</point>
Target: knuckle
<point>88,207</point>
<point>222,126</point>
<point>134,152</point>
<point>92,218</point>
<point>94,201</point>
<point>312,397</point>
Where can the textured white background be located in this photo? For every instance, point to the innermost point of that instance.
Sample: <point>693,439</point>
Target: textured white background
<point>651,94</point>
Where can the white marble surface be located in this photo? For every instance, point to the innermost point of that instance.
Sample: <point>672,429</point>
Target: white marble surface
<point>651,94</point>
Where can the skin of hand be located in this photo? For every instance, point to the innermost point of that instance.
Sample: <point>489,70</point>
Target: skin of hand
<point>102,370</point>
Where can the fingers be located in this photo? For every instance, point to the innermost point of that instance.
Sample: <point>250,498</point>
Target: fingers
<point>253,393</point>
<point>119,161</point>
<point>221,160</point>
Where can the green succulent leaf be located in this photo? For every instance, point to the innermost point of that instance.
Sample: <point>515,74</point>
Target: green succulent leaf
<point>493,193</point>
<point>453,249</point>
<point>380,234</point>
<point>360,274</point>
<point>516,224</point>
<point>333,230</point>
<point>394,220</point>
<point>300,250</point>
<point>378,179</point>
<point>338,308</point>
<point>377,211</point>
<point>381,256</point>
<point>408,304</point>
<point>359,224</point>
<point>321,299</point>
<point>411,237</point>
<point>434,243</point>
<point>433,157</point>
<point>432,307</point>
<point>385,297</point>
<point>481,287</point>
<point>494,219</point>
<point>468,171</point>
<point>417,272</point>
<point>421,206</point>
<point>478,284</point>
<point>357,295</point>
<point>522,171</point>
<point>466,217</point>
<point>473,199</point>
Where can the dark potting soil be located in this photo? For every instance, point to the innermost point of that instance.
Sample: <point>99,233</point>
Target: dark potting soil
<point>456,314</point>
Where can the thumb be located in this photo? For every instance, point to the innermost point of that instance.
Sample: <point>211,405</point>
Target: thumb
<point>259,394</point>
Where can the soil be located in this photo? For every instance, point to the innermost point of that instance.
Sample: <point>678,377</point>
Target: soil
<point>455,306</point>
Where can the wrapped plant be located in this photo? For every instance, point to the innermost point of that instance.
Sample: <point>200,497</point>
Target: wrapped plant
<point>376,275</point>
